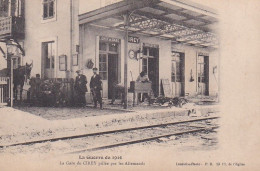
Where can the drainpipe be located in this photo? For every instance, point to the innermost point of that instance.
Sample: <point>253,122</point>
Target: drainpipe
<point>71,37</point>
<point>126,23</point>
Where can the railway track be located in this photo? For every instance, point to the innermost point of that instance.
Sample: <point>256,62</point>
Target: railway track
<point>142,140</point>
<point>163,129</point>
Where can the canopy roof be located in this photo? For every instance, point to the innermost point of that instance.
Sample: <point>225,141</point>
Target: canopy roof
<point>180,21</point>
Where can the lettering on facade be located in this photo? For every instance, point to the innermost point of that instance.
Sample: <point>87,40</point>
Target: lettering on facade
<point>150,45</point>
<point>109,39</point>
<point>132,39</point>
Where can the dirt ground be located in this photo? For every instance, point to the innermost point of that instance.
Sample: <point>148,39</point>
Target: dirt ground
<point>63,113</point>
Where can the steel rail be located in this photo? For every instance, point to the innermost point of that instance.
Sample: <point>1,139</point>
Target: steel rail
<point>106,132</point>
<point>142,140</point>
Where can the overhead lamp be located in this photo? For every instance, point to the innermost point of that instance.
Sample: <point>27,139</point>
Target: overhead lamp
<point>139,54</point>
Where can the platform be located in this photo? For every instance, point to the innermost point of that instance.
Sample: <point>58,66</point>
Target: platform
<point>34,123</point>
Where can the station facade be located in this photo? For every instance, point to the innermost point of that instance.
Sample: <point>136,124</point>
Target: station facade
<point>170,40</point>
<point>190,68</point>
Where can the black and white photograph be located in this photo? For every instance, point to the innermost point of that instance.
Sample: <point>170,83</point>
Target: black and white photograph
<point>129,84</point>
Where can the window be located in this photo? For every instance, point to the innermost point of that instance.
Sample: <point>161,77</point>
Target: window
<point>17,9</point>
<point>48,9</point>
<point>102,46</point>
<point>145,51</point>
<point>49,53</point>
<point>201,69</point>
<point>145,65</point>
<point>103,66</point>
<point>113,47</point>
<point>173,74</point>
<point>105,48</point>
<point>4,8</point>
<point>176,73</point>
<point>63,62</point>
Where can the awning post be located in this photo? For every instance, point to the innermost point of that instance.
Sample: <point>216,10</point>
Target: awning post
<point>11,83</point>
<point>126,23</point>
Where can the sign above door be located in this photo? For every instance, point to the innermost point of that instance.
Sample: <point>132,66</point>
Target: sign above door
<point>132,39</point>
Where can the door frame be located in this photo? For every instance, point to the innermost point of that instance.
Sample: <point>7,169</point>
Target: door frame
<point>206,74</point>
<point>182,63</point>
<point>148,56</point>
<point>117,70</point>
<point>107,52</point>
<point>45,40</point>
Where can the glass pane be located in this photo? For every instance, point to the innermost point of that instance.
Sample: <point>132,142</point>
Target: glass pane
<point>178,78</point>
<point>45,10</point>
<point>52,49</point>
<point>178,68</point>
<point>144,61</point>
<point>145,51</point>
<point>173,67</point>
<point>49,50</point>
<point>202,69</point>
<point>46,57</point>
<point>103,75</point>
<point>102,46</point>
<point>102,67</point>
<point>51,9</point>
<point>201,59</point>
<point>102,58</point>
<point>173,71</point>
<point>19,61</point>
<point>144,69</point>
<point>203,79</point>
<point>113,47</point>
<point>173,77</point>
<point>52,61</point>
<point>47,62</point>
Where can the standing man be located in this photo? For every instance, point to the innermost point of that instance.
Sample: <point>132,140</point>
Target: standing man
<point>81,88</point>
<point>96,87</point>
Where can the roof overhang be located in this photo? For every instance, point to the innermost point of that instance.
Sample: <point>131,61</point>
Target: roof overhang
<point>180,21</point>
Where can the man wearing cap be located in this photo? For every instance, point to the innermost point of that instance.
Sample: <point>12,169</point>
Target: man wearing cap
<point>96,87</point>
<point>81,88</point>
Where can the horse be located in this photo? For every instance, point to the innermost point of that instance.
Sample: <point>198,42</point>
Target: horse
<point>19,75</point>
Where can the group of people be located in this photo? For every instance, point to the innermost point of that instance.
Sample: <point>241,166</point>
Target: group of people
<point>45,92</point>
<point>95,87</point>
<point>80,88</point>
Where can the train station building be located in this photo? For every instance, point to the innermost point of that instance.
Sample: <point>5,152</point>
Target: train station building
<point>171,40</point>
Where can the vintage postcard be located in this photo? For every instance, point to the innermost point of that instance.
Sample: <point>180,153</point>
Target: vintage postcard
<point>129,85</point>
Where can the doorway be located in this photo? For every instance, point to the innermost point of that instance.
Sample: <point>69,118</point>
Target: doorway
<point>48,59</point>
<point>178,74</point>
<point>109,65</point>
<point>150,65</point>
<point>203,75</point>
<point>112,72</point>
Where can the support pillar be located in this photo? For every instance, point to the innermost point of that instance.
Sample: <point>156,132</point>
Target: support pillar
<point>11,83</point>
<point>126,23</point>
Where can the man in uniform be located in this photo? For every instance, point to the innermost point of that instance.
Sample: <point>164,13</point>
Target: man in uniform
<point>96,87</point>
<point>81,88</point>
